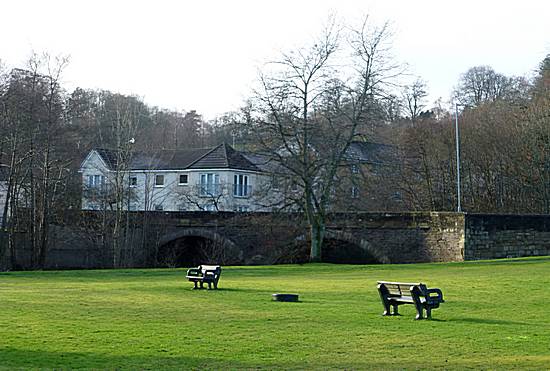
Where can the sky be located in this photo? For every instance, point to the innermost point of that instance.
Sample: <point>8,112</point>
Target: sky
<point>205,55</point>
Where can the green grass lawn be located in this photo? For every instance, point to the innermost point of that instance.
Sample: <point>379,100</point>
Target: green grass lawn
<point>496,316</point>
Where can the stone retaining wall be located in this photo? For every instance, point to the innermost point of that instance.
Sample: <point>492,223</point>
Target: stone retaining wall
<point>490,236</point>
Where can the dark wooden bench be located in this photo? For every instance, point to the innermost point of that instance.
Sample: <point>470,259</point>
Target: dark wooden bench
<point>209,274</point>
<point>394,294</point>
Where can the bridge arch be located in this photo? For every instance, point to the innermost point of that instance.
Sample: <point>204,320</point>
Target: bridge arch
<point>364,245</point>
<point>193,246</point>
<point>343,247</point>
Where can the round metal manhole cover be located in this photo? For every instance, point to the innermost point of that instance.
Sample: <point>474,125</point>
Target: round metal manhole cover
<point>285,297</point>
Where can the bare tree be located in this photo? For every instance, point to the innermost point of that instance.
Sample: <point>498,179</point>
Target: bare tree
<point>307,114</point>
<point>124,130</point>
<point>32,107</point>
<point>204,197</point>
<point>482,84</point>
<point>414,96</point>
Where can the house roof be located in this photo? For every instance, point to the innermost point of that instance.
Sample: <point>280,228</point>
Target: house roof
<point>222,156</point>
<point>264,163</point>
<point>371,153</point>
<point>108,156</point>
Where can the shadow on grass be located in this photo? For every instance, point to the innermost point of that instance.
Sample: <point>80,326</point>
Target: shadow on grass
<point>41,359</point>
<point>12,358</point>
<point>222,289</point>
<point>487,321</point>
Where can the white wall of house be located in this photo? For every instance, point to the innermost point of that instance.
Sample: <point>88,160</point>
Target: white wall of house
<point>93,169</point>
<point>192,190</point>
<point>208,189</point>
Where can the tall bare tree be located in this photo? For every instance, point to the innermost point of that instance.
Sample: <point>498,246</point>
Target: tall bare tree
<point>308,114</point>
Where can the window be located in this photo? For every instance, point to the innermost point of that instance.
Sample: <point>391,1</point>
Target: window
<point>159,180</point>
<point>184,178</point>
<point>240,185</point>
<point>133,181</point>
<point>354,192</point>
<point>158,207</point>
<point>209,184</point>
<point>242,209</point>
<point>96,181</point>
<point>275,182</point>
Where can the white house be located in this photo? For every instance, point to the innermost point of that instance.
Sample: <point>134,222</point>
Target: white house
<point>209,179</point>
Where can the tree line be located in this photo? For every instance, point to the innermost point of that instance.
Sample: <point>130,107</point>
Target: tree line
<point>46,131</point>
<point>504,140</point>
<point>308,108</point>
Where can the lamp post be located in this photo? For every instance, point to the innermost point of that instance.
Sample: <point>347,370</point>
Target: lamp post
<point>458,193</point>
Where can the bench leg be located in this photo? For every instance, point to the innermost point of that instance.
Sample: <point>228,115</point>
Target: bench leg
<point>415,293</point>
<point>387,311</point>
<point>387,308</point>
<point>419,311</point>
<point>383,291</point>
<point>428,313</point>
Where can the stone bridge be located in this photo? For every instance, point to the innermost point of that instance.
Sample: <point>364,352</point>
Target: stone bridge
<point>177,239</point>
<point>190,238</point>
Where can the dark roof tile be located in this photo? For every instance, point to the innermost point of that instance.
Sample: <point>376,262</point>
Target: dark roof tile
<point>220,157</point>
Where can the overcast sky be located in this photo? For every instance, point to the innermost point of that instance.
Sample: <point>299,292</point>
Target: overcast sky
<point>204,55</point>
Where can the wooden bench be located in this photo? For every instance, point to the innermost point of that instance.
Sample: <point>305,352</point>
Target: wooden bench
<point>394,294</point>
<point>209,274</point>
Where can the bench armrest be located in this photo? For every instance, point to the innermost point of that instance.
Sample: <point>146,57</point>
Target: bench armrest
<point>211,274</point>
<point>434,294</point>
<point>194,272</point>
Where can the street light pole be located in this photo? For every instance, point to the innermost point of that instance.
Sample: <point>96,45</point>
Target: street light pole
<point>458,196</point>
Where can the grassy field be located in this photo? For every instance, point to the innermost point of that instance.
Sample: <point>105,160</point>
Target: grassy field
<point>496,316</point>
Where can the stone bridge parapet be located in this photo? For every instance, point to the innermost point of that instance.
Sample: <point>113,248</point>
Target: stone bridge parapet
<point>84,239</point>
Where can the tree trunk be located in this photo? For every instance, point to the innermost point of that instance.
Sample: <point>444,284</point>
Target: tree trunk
<point>317,231</point>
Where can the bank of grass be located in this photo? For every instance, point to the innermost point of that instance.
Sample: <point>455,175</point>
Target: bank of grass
<point>496,316</point>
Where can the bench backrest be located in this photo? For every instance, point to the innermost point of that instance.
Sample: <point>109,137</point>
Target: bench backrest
<point>401,288</point>
<point>215,268</point>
